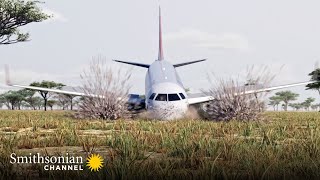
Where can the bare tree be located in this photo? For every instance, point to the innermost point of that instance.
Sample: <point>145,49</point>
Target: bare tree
<point>63,101</point>
<point>231,102</point>
<point>106,91</point>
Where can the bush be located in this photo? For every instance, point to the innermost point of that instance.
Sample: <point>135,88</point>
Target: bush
<point>106,92</point>
<point>231,102</point>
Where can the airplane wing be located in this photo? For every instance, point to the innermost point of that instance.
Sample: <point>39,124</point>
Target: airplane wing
<point>205,98</point>
<point>74,93</point>
<point>134,100</point>
<point>197,100</point>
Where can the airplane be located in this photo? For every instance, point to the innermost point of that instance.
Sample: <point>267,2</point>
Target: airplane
<point>166,97</point>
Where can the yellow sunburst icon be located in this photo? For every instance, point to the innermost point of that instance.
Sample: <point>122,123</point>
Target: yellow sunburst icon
<point>95,162</point>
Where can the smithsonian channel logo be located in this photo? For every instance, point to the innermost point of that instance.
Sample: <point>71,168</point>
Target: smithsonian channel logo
<point>94,162</point>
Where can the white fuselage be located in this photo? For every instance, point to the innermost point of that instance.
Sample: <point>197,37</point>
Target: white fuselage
<point>166,97</point>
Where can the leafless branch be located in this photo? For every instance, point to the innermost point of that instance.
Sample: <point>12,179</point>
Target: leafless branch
<point>229,105</point>
<point>104,81</point>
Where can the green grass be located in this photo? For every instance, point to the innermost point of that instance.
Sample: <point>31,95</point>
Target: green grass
<point>283,145</point>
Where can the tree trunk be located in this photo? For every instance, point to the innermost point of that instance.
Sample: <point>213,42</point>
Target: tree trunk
<point>71,106</point>
<point>45,104</point>
<point>45,98</point>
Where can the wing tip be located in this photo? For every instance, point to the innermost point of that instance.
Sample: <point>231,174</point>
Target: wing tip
<point>7,75</point>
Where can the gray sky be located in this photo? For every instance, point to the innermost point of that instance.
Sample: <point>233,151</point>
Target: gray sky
<point>232,34</point>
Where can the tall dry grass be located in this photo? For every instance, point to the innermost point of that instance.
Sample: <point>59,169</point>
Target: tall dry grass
<point>283,145</point>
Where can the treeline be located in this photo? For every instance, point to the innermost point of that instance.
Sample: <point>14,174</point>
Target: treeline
<point>37,100</point>
<point>284,98</point>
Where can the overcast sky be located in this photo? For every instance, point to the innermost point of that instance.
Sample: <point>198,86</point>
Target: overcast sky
<point>231,34</point>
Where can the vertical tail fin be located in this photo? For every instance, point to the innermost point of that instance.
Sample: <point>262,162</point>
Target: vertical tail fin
<point>160,57</point>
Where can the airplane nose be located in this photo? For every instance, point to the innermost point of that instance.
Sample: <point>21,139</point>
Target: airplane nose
<point>168,111</point>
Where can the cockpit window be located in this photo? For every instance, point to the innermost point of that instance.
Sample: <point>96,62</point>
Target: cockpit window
<point>152,96</point>
<point>173,97</point>
<point>182,96</point>
<point>161,97</point>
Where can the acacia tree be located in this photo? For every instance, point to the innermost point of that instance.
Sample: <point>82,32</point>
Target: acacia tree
<point>31,101</point>
<point>45,94</point>
<point>286,97</point>
<point>307,103</point>
<point>63,101</point>
<point>274,101</point>
<point>34,102</point>
<point>1,103</point>
<point>27,97</point>
<point>17,13</point>
<point>70,100</point>
<point>315,107</point>
<point>12,99</point>
<point>315,76</point>
<point>3,100</point>
<point>51,103</point>
<point>296,106</point>
<point>38,102</point>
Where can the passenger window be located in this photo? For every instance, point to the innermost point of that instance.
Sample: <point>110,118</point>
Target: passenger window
<point>173,97</point>
<point>152,96</point>
<point>161,97</point>
<point>182,96</point>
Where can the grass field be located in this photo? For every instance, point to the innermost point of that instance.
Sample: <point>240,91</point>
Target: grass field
<point>283,145</point>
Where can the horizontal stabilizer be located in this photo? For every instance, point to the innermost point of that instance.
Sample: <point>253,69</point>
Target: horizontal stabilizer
<point>133,63</point>
<point>187,63</point>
